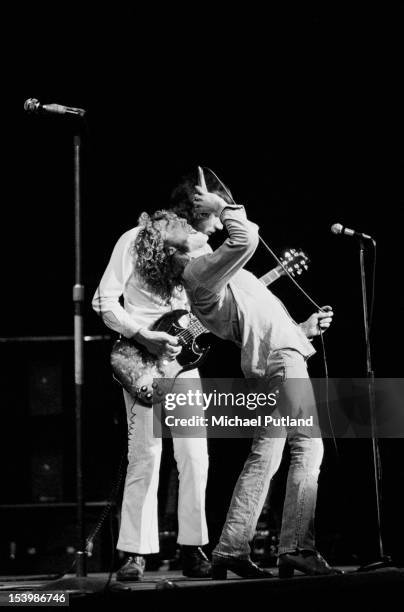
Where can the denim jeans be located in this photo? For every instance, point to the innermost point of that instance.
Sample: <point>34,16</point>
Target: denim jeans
<point>297,532</point>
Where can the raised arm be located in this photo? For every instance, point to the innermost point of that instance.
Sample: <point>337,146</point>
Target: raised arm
<point>214,271</point>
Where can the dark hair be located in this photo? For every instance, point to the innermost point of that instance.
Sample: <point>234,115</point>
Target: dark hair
<point>181,200</point>
<point>157,268</point>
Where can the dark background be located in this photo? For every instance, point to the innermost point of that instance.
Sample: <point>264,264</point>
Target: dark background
<point>299,114</point>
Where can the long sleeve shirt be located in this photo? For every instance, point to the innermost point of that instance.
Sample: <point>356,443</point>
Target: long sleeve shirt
<point>233,304</point>
<point>140,307</point>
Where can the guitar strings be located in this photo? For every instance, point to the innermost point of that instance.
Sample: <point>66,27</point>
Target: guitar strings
<point>188,333</point>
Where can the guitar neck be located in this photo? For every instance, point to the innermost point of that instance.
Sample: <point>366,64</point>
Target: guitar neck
<point>272,275</point>
<point>196,326</point>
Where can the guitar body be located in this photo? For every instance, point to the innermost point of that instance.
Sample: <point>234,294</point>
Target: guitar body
<point>193,351</point>
<point>135,368</point>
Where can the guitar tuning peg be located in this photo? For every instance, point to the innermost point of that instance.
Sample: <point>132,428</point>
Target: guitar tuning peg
<point>143,388</point>
<point>149,395</point>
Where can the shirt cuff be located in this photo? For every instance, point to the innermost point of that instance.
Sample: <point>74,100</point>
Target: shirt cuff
<point>231,207</point>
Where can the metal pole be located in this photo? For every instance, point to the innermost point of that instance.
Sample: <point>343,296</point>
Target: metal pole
<point>80,582</point>
<point>383,560</point>
<point>78,299</point>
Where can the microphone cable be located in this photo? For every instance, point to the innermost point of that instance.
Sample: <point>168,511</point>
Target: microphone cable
<point>309,298</point>
<point>321,309</point>
<point>372,299</point>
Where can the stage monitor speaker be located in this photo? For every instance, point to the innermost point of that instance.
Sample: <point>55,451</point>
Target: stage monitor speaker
<point>45,387</point>
<point>47,476</point>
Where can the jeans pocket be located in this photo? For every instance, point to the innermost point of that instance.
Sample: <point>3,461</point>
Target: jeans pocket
<point>276,365</point>
<point>275,371</point>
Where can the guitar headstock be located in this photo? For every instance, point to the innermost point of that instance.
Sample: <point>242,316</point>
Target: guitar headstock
<point>294,261</point>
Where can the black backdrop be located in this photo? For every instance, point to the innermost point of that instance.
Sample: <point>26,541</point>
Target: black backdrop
<point>300,115</point>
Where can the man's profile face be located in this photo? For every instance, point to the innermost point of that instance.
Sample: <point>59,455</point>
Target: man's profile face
<point>208,224</point>
<point>179,234</point>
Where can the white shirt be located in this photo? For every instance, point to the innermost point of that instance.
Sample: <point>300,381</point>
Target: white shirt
<point>141,307</point>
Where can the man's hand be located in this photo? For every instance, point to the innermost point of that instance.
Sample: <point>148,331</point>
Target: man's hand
<point>318,322</point>
<point>159,343</point>
<point>206,202</point>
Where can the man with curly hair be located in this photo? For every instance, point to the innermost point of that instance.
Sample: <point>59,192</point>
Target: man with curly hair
<point>233,304</point>
<point>142,252</point>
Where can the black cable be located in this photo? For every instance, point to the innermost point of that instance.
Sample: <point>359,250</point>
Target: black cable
<point>111,568</point>
<point>117,483</point>
<point>105,512</point>
<point>111,500</point>
<point>327,395</point>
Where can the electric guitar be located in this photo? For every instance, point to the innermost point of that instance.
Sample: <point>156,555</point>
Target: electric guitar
<point>135,368</point>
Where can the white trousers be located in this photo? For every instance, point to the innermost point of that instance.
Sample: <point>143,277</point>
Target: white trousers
<point>139,517</point>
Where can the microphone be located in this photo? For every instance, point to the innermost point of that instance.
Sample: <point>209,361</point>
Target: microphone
<point>201,179</point>
<point>337,228</point>
<point>32,105</point>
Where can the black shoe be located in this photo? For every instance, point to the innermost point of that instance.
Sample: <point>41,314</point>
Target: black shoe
<point>132,569</point>
<point>195,563</point>
<point>242,567</point>
<point>308,562</point>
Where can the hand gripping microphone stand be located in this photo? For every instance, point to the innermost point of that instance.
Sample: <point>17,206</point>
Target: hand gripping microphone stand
<point>382,560</point>
<point>81,583</point>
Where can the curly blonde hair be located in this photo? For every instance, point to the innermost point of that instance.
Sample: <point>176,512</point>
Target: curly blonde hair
<point>158,269</point>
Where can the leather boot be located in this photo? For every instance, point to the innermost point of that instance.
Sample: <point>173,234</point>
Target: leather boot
<point>195,563</point>
<point>243,567</point>
<point>132,569</point>
<point>307,561</point>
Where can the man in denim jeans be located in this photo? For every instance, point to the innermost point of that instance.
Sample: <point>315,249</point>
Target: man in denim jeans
<point>233,304</point>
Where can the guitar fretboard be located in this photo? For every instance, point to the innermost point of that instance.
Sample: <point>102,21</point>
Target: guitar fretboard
<point>194,329</point>
<point>271,276</point>
<point>197,326</point>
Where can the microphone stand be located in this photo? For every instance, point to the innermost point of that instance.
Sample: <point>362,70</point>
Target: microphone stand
<point>81,583</point>
<point>382,560</point>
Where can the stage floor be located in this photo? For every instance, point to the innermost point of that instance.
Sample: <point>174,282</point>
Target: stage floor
<point>373,588</point>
